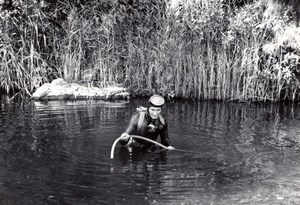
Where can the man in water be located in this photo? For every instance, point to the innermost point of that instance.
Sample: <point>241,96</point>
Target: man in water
<point>148,123</point>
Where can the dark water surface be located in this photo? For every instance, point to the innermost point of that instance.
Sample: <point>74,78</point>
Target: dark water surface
<point>59,153</point>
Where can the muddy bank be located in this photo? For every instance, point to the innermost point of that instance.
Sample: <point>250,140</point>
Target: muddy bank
<point>59,89</point>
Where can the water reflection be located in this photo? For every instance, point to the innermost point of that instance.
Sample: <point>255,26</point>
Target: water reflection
<point>58,153</point>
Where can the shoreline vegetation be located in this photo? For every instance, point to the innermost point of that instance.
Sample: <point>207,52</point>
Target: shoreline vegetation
<point>236,50</point>
<point>59,89</point>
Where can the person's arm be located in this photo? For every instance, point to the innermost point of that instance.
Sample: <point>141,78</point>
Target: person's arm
<point>164,136</point>
<point>125,138</point>
<point>130,129</point>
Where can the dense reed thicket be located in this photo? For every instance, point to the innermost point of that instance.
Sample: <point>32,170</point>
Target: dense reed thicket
<point>199,49</point>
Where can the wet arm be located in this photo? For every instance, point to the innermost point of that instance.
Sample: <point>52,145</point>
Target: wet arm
<point>130,128</point>
<point>164,136</point>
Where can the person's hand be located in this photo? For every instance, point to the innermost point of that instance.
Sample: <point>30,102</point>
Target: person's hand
<point>125,136</point>
<point>170,148</point>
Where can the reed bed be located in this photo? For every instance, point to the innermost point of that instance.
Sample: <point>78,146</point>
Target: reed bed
<point>202,49</point>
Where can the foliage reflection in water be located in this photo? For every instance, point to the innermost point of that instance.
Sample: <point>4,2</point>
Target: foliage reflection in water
<point>58,152</point>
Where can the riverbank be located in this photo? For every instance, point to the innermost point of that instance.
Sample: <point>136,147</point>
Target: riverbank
<point>233,51</point>
<point>59,89</point>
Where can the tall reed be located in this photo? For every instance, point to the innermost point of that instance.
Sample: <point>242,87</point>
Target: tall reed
<point>202,49</point>
<point>23,67</point>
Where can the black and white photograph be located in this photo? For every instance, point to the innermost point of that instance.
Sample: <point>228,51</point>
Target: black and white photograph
<point>149,102</point>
